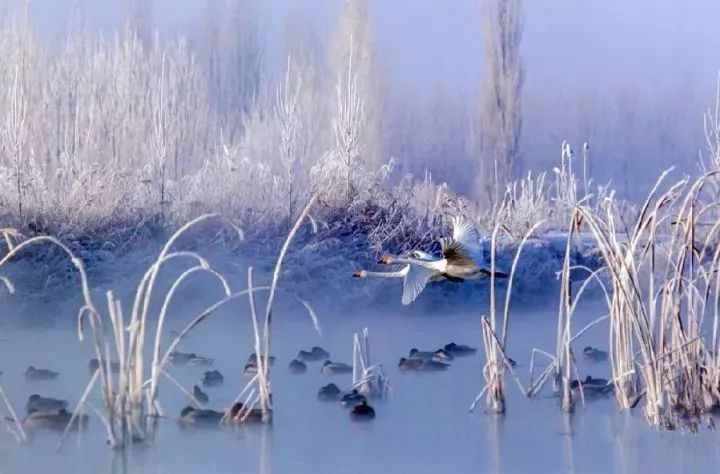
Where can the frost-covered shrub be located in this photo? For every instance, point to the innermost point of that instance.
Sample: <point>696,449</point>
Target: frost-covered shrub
<point>524,204</point>
<point>117,140</point>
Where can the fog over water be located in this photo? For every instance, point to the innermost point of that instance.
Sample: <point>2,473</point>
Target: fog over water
<point>633,78</point>
<point>424,426</point>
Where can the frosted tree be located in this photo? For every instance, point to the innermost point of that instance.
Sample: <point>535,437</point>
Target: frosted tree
<point>287,117</point>
<point>164,107</point>
<point>350,123</point>
<point>500,119</point>
<point>353,44</point>
<point>232,52</point>
<point>15,136</point>
<point>313,107</point>
<point>17,99</point>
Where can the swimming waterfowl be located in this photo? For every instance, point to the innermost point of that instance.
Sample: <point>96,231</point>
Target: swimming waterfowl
<point>189,358</point>
<point>201,416</point>
<point>459,349</point>
<point>363,411</point>
<point>305,356</point>
<point>409,364</point>
<point>297,367</point>
<point>423,355</point>
<point>53,420</point>
<point>353,397</point>
<point>316,353</point>
<point>95,364</point>
<point>336,368</point>
<point>199,395</point>
<point>31,373</point>
<point>595,382</point>
<point>439,355</point>
<point>239,413</point>
<point>212,378</point>
<point>253,359</point>
<point>181,358</point>
<point>328,393</point>
<point>442,356</point>
<point>462,260</point>
<point>595,355</point>
<point>42,404</point>
<point>592,387</point>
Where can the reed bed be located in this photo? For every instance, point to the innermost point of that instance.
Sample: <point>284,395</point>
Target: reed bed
<point>131,404</point>
<point>660,280</point>
<point>664,280</point>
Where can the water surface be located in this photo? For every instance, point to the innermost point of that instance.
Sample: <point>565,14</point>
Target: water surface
<point>424,426</point>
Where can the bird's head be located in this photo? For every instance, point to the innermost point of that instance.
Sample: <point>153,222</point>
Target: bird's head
<point>420,255</point>
<point>360,274</point>
<point>385,260</point>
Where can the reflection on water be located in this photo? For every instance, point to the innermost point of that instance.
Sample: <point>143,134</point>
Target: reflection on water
<point>567,437</point>
<point>424,426</point>
<point>494,426</point>
<point>265,450</point>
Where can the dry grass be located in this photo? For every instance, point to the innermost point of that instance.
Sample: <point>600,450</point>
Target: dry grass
<point>496,359</point>
<point>131,398</point>
<point>368,378</point>
<point>663,282</point>
<point>664,279</point>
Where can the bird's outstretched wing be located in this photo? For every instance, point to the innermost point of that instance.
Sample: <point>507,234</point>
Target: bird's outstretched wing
<point>456,254</point>
<point>415,280</point>
<point>465,234</point>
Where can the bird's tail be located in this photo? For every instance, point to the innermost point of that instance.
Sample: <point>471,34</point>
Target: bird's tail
<point>497,274</point>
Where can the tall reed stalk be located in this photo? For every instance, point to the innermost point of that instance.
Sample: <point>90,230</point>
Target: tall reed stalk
<point>131,399</point>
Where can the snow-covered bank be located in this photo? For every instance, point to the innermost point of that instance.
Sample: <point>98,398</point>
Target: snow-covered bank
<point>319,268</point>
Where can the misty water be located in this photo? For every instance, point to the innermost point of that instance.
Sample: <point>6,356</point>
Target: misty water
<point>424,425</point>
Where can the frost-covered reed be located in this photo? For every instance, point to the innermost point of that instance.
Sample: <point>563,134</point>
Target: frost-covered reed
<point>368,378</point>
<point>131,402</point>
<point>664,304</point>
<point>661,281</point>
